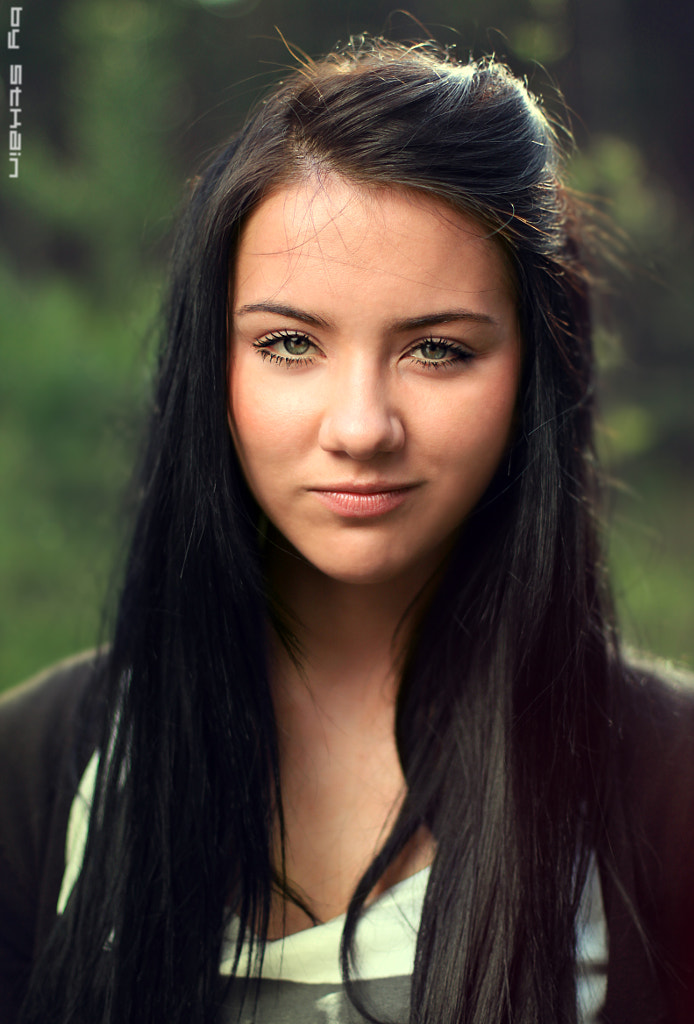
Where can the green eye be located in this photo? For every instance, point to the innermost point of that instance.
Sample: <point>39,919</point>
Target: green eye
<point>287,348</point>
<point>295,345</point>
<point>435,352</point>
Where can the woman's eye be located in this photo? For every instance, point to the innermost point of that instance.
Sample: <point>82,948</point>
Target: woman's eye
<point>296,346</point>
<point>436,353</point>
<point>434,350</point>
<point>285,347</point>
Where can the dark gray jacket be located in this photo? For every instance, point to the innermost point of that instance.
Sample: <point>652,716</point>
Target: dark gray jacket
<point>44,748</point>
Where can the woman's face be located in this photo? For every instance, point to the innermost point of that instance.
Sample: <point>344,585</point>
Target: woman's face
<point>375,361</point>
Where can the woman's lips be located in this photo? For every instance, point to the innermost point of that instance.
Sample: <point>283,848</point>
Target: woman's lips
<point>363,504</point>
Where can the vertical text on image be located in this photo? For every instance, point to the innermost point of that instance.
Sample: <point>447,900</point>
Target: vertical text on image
<point>15,93</point>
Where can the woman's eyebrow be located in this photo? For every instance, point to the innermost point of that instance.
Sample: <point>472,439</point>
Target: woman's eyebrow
<point>445,317</point>
<point>395,326</point>
<point>281,309</point>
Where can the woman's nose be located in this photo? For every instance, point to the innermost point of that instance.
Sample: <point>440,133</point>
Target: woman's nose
<point>360,418</point>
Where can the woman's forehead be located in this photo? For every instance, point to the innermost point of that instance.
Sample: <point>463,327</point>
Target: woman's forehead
<point>314,203</point>
<point>338,231</point>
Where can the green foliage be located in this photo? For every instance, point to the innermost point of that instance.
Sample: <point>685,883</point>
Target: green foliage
<point>73,382</point>
<point>101,200</point>
<point>651,548</point>
<point>614,169</point>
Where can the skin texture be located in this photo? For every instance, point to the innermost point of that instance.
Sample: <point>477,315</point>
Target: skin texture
<point>374,344</point>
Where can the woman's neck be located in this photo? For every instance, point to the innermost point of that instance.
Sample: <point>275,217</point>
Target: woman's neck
<point>352,636</point>
<point>342,782</point>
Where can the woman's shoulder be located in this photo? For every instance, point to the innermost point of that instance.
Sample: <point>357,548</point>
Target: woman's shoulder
<point>43,744</point>
<point>651,839</point>
<point>658,723</point>
<point>43,749</point>
<point>39,720</point>
<point>657,761</point>
<point>54,690</point>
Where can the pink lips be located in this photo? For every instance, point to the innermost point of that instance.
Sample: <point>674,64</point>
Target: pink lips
<point>362,503</point>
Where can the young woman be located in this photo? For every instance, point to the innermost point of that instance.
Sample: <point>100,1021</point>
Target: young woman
<point>363,746</point>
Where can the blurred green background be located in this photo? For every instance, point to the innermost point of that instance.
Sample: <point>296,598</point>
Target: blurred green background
<point>122,99</point>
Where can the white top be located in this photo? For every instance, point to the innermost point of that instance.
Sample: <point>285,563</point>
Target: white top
<point>301,978</point>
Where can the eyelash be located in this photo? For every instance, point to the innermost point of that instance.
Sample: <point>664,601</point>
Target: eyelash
<point>457,354</point>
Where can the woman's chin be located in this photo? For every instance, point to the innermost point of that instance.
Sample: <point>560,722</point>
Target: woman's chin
<point>398,569</point>
<point>357,573</point>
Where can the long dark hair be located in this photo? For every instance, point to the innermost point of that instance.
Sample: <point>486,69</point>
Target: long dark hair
<point>506,711</point>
